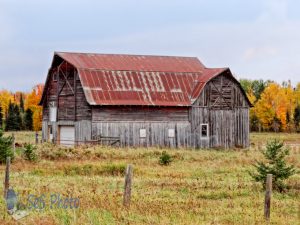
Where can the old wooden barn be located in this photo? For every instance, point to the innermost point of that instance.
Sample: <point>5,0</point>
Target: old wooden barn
<point>134,100</point>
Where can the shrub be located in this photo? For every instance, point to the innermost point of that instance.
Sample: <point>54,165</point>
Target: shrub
<point>30,152</point>
<point>165,159</point>
<point>5,147</point>
<point>114,169</point>
<point>276,165</point>
<point>88,170</point>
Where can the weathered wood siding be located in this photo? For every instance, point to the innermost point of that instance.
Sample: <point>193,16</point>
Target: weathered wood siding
<point>156,133</point>
<point>139,113</point>
<point>223,106</point>
<point>69,97</point>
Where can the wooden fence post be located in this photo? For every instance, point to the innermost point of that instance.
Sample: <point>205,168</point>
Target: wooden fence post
<point>36,138</point>
<point>6,179</point>
<point>127,188</point>
<point>14,143</point>
<point>268,196</point>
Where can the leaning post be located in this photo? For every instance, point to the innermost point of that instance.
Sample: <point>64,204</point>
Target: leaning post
<point>14,143</point>
<point>36,137</point>
<point>6,179</point>
<point>268,197</point>
<point>127,187</point>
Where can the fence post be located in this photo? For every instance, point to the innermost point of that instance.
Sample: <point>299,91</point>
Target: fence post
<point>268,196</point>
<point>6,179</point>
<point>36,138</point>
<point>127,188</point>
<point>14,143</point>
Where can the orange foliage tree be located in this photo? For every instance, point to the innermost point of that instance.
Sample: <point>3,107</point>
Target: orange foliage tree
<point>31,102</point>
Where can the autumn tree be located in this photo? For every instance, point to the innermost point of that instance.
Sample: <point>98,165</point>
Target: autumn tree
<point>5,98</point>
<point>32,103</point>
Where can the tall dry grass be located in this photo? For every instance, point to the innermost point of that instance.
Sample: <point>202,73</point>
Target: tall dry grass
<point>198,187</point>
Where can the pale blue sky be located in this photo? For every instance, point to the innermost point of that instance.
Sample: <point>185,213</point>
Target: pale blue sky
<point>256,39</point>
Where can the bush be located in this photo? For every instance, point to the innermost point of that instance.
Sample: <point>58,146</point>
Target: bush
<point>114,169</point>
<point>89,170</point>
<point>5,147</point>
<point>165,159</point>
<point>30,152</point>
<point>276,165</point>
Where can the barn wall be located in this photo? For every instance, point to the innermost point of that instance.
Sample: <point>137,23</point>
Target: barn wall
<point>223,106</point>
<point>156,133</point>
<point>69,107</point>
<point>83,130</point>
<point>139,113</point>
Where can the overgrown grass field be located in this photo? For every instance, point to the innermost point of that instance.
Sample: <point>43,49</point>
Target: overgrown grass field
<point>198,187</point>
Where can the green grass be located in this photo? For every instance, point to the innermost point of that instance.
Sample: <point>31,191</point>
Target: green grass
<point>198,187</point>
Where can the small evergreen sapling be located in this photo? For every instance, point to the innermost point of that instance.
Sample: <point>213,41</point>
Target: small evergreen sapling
<point>165,159</point>
<point>30,152</point>
<point>276,165</point>
<point>5,147</point>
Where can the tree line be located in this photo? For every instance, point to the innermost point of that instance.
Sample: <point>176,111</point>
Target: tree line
<point>276,107</point>
<point>20,111</point>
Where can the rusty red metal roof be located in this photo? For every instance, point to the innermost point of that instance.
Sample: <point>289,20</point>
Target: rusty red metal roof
<point>109,79</point>
<point>133,62</point>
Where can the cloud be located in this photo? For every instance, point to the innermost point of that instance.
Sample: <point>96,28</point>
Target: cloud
<point>260,52</point>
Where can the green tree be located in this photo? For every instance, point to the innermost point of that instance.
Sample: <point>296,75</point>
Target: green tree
<point>22,103</point>
<point>1,117</point>
<point>14,120</point>
<point>297,117</point>
<point>275,164</point>
<point>28,119</point>
<point>5,147</point>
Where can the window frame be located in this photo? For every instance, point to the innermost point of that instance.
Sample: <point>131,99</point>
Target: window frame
<point>171,133</point>
<point>207,131</point>
<point>143,133</point>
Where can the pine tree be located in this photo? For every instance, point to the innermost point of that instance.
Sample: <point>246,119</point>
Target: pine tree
<point>18,117</point>
<point>21,103</point>
<point>13,121</point>
<point>1,117</point>
<point>5,147</point>
<point>28,119</point>
<point>297,117</point>
<point>276,165</point>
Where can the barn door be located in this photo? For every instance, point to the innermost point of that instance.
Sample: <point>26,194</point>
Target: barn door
<point>67,135</point>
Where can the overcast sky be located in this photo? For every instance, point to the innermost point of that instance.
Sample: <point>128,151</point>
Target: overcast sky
<point>255,38</point>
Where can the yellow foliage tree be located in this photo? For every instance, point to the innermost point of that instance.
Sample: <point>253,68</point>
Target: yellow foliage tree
<point>31,102</point>
<point>275,103</point>
<point>5,98</point>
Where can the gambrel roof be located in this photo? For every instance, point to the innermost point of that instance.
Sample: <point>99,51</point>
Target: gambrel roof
<point>114,79</point>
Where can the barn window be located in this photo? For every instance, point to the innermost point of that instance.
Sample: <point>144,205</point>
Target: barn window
<point>171,133</point>
<point>50,133</point>
<point>143,133</point>
<point>52,111</point>
<point>204,130</point>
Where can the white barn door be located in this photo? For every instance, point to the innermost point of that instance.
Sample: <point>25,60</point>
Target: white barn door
<point>67,135</point>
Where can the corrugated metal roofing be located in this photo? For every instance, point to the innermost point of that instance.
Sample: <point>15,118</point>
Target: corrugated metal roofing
<point>133,62</point>
<point>140,80</point>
